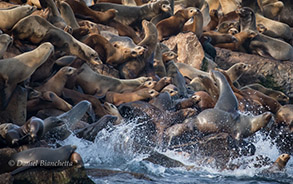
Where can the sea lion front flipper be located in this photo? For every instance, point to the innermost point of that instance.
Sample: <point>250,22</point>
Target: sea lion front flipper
<point>6,94</point>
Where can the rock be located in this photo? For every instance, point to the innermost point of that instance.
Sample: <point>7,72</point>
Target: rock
<point>189,49</point>
<point>64,175</point>
<point>269,72</point>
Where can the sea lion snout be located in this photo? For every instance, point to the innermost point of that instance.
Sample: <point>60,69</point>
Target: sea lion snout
<point>166,8</point>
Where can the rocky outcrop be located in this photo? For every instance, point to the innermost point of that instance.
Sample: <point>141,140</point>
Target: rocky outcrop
<point>269,72</point>
<point>189,49</point>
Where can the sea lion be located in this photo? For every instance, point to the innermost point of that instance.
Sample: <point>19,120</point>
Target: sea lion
<point>100,17</point>
<point>277,95</point>
<point>272,9</point>
<point>188,103</point>
<point>19,68</point>
<point>75,97</point>
<point>5,41</point>
<point>90,132</point>
<point>94,83</point>
<point>197,25</point>
<point>67,14</point>
<point>163,82</point>
<point>47,100</point>
<point>58,81</point>
<point>163,101</point>
<point>119,98</point>
<point>177,78</point>
<point>285,116</point>
<point>206,101</point>
<point>132,15</point>
<point>241,38</point>
<point>224,117</point>
<point>279,164</point>
<point>247,19</point>
<point>217,37</point>
<point>112,110</point>
<point>42,31</point>
<point>76,159</point>
<point>215,18</point>
<point>235,71</point>
<point>225,26</point>
<point>174,24</point>
<point>285,12</point>
<point>40,155</point>
<point>10,16</point>
<point>67,120</point>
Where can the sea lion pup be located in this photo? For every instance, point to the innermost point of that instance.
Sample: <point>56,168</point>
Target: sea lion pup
<point>197,25</point>
<point>10,16</point>
<point>45,31</point>
<point>171,89</point>
<point>225,26</point>
<point>120,98</point>
<point>19,68</point>
<point>58,81</point>
<point>224,117</point>
<point>133,15</point>
<point>217,37</point>
<point>67,14</point>
<point>5,41</point>
<point>163,82</point>
<point>95,84</point>
<point>112,110</point>
<point>206,101</point>
<point>41,154</point>
<point>47,100</point>
<point>279,164</point>
<point>285,116</point>
<point>101,17</point>
<point>189,102</point>
<point>174,24</point>
<point>75,97</point>
<point>241,38</point>
<point>277,95</point>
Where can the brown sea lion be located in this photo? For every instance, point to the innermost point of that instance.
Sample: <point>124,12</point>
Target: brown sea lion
<point>80,8</point>
<point>47,100</point>
<point>10,16</point>
<point>188,103</point>
<point>19,68</point>
<point>206,101</point>
<point>74,97</point>
<point>225,26</point>
<point>42,31</point>
<point>131,15</point>
<point>285,116</point>
<point>112,110</point>
<point>174,24</point>
<point>5,41</point>
<point>58,81</point>
<point>279,164</point>
<point>163,82</point>
<point>94,83</point>
<point>171,89</point>
<point>217,37</point>
<point>215,18</point>
<point>120,98</point>
<point>241,38</point>
<point>197,25</point>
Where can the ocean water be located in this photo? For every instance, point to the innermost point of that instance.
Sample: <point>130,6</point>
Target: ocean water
<point>113,150</point>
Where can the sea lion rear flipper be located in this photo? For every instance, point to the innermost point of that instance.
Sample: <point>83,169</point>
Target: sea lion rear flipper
<point>18,170</point>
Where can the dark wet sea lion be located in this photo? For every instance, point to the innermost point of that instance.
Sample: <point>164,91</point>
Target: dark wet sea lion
<point>19,68</point>
<point>41,154</point>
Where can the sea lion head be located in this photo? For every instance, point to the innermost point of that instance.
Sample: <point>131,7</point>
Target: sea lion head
<point>191,11</point>
<point>164,6</point>
<point>233,31</point>
<point>68,71</point>
<point>168,56</point>
<point>27,9</point>
<point>282,160</point>
<point>149,84</point>
<point>153,93</point>
<point>36,128</point>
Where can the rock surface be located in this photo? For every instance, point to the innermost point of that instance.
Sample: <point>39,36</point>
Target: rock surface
<point>189,49</point>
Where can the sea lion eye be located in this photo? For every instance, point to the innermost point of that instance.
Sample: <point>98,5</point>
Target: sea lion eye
<point>112,106</point>
<point>116,45</point>
<point>151,92</point>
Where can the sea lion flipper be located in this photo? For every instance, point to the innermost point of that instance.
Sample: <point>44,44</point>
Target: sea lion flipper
<point>6,94</point>
<point>18,170</point>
